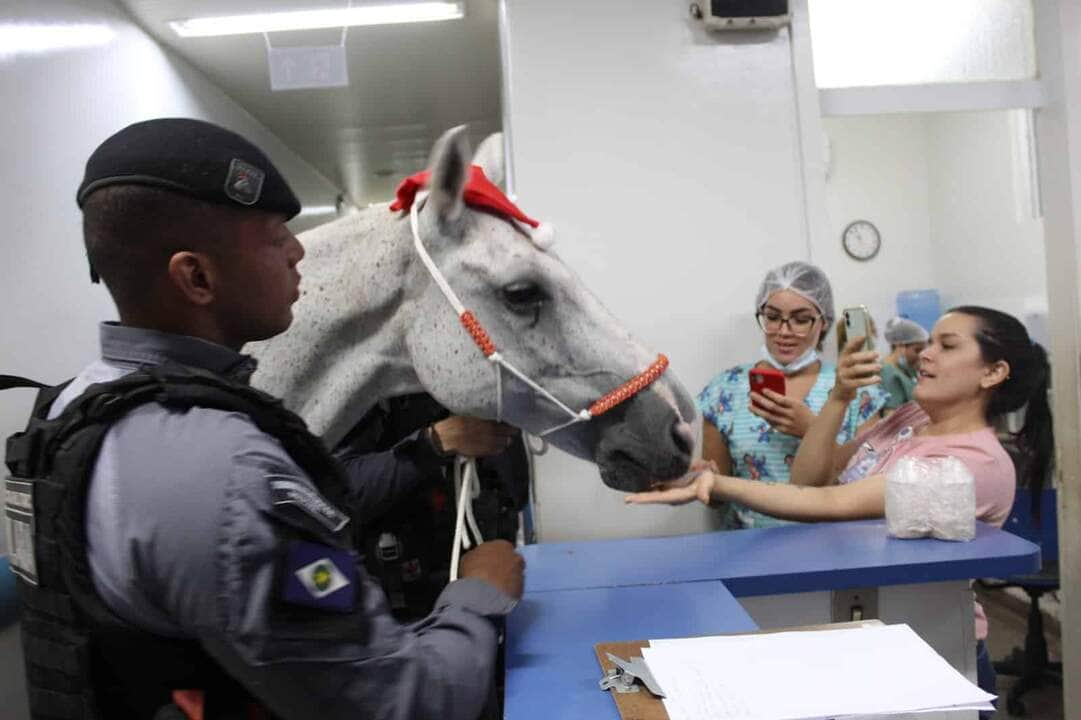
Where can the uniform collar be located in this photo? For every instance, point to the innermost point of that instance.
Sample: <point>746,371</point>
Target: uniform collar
<point>140,346</point>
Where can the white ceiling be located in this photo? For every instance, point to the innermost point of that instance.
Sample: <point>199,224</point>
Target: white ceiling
<point>407,84</point>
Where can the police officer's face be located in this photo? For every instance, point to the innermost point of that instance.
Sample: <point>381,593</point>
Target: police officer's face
<point>262,277</point>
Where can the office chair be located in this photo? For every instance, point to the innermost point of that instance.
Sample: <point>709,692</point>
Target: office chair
<point>1030,664</point>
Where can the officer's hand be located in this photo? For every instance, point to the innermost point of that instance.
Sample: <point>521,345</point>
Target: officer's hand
<point>495,563</point>
<point>472,437</point>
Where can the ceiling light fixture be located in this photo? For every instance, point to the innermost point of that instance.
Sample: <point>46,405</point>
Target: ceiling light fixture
<point>319,210</point>
<point>384,14</point>
<point>30,38</point>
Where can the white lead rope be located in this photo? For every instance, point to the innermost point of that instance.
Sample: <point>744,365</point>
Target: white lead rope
<point>463,495</point>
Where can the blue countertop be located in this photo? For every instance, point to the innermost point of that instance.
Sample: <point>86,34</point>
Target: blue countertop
<point>582,593</point>
<point>794,558</point>
<point>552,671</point>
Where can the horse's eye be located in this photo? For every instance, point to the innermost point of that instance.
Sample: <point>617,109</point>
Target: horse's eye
<point>524,296</point>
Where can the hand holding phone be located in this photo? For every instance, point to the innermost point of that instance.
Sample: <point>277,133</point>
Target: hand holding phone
<point>787,415</point>
<point>858,324</point>
<point>766,379</point>
<point>858,365</point>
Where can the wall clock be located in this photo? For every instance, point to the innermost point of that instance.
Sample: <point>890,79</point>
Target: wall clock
<point>861,240</point>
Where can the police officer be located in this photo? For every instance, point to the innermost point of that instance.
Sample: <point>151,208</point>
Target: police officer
<point>198,553</point>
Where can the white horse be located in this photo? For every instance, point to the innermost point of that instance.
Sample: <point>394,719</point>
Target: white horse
<point>372,324</point>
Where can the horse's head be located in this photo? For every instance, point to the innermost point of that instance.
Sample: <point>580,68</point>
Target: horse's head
<point>545,322</point>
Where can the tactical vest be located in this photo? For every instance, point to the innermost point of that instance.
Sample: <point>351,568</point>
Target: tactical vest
<point>82,661</point>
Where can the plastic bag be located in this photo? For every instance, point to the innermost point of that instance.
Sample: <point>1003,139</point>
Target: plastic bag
<point>931,497</point>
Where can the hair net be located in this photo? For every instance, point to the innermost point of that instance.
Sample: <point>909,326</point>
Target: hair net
<point>902,331</point>
<point>803,279</point>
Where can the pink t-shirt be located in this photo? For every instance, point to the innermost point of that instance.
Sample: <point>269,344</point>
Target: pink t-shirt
<point>897,437</point>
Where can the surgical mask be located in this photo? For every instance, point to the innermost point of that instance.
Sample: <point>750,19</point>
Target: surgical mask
<point>902,363</point>
<point>808,358</point>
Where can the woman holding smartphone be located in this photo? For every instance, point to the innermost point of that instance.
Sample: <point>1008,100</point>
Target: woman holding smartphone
<point>755,434</point>
<point>979,365</point>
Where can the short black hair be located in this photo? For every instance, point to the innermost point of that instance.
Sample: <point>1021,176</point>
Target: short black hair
<point>131,231</point>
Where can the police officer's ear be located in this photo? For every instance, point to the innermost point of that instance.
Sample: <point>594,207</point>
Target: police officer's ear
<point>195,276</point>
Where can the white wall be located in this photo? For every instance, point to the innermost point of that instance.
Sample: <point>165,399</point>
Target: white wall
<point>1058,34</point>
<point>988,247</point>
<point>58,107</point>
<point>951,195</point>
<point>878,171</point>
<point>668,161</point>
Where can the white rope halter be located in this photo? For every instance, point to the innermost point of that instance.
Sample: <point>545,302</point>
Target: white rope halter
<point>465,469</point>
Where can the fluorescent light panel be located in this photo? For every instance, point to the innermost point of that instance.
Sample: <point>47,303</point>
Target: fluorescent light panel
<point>29,38</point>
<point>385,14</point>
<point>319,210</point>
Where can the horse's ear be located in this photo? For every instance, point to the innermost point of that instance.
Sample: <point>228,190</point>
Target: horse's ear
<point>489,156</point>
<point>449,166</point>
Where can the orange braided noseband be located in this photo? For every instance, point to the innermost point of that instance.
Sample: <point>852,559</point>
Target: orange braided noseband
<point>621,394</point>
<point>480,337</point>
<point>630,388</point>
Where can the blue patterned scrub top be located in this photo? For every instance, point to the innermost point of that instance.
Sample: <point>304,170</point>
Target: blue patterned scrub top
<point>758,451</point>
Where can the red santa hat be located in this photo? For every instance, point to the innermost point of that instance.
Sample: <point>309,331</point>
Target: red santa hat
<point>480,193</point>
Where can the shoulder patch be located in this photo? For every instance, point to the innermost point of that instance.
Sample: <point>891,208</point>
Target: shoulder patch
<point>291,490</point>
<point>320,576</point>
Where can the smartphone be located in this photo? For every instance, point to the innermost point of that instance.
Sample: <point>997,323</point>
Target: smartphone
<point>766,378</point>
<point>858,324</point>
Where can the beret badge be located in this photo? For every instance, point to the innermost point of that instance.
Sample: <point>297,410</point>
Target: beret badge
<point>244,182</point>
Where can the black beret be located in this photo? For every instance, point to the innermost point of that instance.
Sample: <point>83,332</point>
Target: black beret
<point>192,157</point>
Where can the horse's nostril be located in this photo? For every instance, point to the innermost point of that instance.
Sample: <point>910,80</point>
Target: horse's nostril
<point>683,437</point>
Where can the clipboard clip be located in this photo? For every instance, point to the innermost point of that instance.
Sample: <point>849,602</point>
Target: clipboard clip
<point>621,678</point>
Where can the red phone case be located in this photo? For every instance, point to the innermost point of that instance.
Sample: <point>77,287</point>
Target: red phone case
<point>763,378</point>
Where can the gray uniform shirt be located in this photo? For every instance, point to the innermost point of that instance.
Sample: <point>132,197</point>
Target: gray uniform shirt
<point>184,540</point>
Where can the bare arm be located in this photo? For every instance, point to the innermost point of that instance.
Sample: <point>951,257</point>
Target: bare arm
<point>715,448</point>
<point>863,499</point>
<point>820,459</point>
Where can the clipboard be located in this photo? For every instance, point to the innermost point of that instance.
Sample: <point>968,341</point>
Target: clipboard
<point>643,705</point>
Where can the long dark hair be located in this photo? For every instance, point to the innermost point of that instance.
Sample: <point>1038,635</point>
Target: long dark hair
<point>1003,337</point>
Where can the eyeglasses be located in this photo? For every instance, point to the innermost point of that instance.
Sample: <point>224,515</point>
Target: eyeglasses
<point>799,324</point>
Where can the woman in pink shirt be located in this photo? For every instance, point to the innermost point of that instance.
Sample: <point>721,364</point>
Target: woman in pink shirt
<point>979,365</point>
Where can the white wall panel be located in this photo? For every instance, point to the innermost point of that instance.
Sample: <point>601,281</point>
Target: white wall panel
<point>878,172</point>
<point>987,237</point>
<point>668,161</point>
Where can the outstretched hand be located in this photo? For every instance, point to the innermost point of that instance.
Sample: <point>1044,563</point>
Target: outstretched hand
<point>696,484</point>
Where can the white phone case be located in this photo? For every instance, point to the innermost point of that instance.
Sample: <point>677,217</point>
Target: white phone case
<point>856,325</point>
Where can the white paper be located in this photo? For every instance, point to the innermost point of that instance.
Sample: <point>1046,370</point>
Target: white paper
<point>808,674</point>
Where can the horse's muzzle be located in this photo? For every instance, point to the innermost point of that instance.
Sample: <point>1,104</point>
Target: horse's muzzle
<point>644,442</point>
